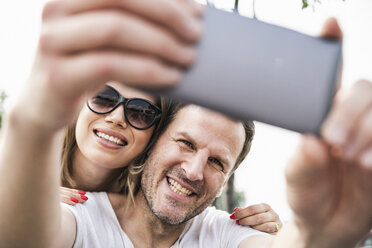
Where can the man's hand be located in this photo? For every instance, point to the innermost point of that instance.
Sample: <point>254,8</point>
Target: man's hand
<point>330,180</point>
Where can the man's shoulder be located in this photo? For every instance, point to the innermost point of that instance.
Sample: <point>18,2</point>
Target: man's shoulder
<point>212,214</point>
<point>214,227</point>
<point>97,196</point>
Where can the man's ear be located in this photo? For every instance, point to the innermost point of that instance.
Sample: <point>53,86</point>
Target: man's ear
<point>223,186</point>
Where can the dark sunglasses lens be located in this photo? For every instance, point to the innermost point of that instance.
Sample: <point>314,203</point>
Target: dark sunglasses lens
<point>104,101</point>
<point>140,113</point>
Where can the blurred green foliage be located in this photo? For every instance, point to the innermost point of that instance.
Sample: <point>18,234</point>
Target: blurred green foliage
<point>222,201</point>
<point>306,3</point>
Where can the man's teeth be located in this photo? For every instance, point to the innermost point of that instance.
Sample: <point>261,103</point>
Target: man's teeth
<point>177,188</point>
<point>110,138</point>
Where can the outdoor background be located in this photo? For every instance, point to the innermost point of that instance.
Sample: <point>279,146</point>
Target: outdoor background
<point>261,176</point>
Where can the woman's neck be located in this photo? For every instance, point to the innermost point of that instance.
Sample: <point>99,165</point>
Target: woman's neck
<point>90,176</point>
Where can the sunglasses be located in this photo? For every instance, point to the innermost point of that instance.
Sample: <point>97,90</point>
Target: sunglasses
<point>139,113</point>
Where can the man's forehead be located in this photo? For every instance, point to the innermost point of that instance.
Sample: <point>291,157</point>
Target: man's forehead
<point>206,125</point>
<point>194,113</point>
<point>197,117</point>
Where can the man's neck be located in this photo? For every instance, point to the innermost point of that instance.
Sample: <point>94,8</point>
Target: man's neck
<point>143,228</point>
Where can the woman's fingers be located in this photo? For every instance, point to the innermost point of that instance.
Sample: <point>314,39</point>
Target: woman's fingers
<point>252,210</point>
<point>72,196</point>
<point>112,29</point>
<point>269,227</point>
<point>68,200</point>
<point>107,65</point>
<point>86,43</point>
<point>179,16</point>
<point>258,219</point>
<point>260,215</point>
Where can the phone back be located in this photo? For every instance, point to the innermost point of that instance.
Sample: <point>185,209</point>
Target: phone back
<point>257,71</point>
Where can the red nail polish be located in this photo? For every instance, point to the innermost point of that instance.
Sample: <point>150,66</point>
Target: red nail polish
<point>83,197</point>
<point>235,209</point>
<point>232,216</point>
<point>74,199</point>
<point>81,192</point>
<point>237,222</point>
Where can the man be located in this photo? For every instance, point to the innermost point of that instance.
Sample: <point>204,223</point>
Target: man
<point>86,43</point>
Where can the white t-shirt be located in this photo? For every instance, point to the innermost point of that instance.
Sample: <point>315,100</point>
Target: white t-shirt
<point>98,227</point>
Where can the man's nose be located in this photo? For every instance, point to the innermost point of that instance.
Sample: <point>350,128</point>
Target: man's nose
<point>117,117</point>
<point>194,166</point>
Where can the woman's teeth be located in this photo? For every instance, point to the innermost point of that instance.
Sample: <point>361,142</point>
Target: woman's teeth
<point>177,188</point>
<point>110,138</point>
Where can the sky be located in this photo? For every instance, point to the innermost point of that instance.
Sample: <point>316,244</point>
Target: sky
<point>261,176</point>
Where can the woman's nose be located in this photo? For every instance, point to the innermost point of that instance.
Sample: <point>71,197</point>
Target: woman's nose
<point>117,117</point>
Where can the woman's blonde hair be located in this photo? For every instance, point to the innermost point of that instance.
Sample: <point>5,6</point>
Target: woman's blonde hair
<point>129,177</point>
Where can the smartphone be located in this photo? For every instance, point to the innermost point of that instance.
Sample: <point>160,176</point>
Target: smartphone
<point>253,70</point>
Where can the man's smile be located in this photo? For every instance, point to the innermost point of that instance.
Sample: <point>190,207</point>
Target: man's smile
<point>177,188</point>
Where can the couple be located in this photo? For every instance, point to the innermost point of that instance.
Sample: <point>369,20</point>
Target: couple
<point>89,42</point>
<point>111,129</point>
<point>184,172</point>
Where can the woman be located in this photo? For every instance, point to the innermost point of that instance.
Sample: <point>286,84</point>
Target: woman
<point>109,136</point>
<point>106,138</point>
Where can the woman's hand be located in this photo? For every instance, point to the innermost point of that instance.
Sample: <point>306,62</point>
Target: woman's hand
<point>86,43</point>
<point>259,216</point>
<point>83,45</point>
<point>72,196</point>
